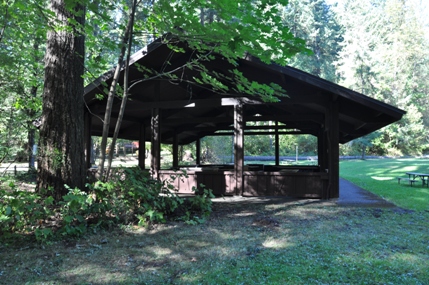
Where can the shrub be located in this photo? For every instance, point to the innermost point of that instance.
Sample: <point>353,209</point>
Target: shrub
<point>131,196</point>
<point>22,211</point>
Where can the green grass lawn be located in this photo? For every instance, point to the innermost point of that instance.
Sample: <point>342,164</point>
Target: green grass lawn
<point>273,243</point>
<point>379,176</point>
<point>295,242</point>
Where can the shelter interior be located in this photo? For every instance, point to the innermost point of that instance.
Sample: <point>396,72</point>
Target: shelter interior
<point>173,110</point>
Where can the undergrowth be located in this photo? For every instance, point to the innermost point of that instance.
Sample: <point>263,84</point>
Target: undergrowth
<point>130,197</point>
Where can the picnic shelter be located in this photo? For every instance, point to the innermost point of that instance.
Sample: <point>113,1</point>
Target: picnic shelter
<point>171,110</point>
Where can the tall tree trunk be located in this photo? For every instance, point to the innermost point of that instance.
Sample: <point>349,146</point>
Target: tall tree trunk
<point>61,159</point>
<point>129,37</point>
<point>110,97</point>
<point>363,152</point>
<point>31,112</point>
<point>5,22</point>
<point>31,133</point>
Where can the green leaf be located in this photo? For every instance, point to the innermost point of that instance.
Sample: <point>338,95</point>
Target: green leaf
<point>4,218</point>
<point>49,200</point>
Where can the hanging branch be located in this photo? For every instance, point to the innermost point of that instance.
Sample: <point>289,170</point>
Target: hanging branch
<point>125,96</point>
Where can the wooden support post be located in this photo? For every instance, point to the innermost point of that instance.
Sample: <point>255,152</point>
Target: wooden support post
<point>142,147</point>
<point>334,151</point>
<point>198,151</point>
<point>155,144</point>
<point>322,158</point>
<point>331,162</point>
<point>322,149</point>
<point>277,144</point>
<point>88,142</point>
<point>175,151</point>
<point>238,148</point>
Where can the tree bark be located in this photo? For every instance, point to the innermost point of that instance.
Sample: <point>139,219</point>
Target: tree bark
<point>108,113</point>
<point>129,38</point>
<point>61,159</point>
<point>31,133</point>
<point>31,138</point>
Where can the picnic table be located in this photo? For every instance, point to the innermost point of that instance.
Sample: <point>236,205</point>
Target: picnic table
<point>413,175</point>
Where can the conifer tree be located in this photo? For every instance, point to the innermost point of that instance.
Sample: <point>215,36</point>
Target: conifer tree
<point>385,56</point>
<point>61,158</point>
<point>315,22</point>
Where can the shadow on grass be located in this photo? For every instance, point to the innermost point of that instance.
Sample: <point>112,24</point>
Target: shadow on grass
<point>286,242</point>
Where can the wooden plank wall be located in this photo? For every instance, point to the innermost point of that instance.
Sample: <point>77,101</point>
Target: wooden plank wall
<point>308,184</point>
<point>284,184</point>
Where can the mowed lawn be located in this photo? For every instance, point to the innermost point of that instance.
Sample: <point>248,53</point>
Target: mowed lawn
<point>295,242</point>
<point>379,176</point>
<point>281,241</point>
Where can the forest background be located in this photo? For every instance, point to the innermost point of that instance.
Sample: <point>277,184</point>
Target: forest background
<point>377,47</point>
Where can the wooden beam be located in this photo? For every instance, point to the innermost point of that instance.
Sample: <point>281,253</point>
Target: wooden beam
<point>196,120</point>
<point>252,133</point>
<point>363,113</point>
<point>268,129</point>
<point>277,127</point>
<point>190,103</point>
<point>308,117</point>
<point>297,132</point>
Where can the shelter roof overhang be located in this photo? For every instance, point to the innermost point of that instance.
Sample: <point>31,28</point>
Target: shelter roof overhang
<point>191,111</point>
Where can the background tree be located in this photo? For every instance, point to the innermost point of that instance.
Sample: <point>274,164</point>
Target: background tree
<point>21,53</point>
<point>232,30</point>
<point>315,22</point>
<point>379,48</point>
<point>126,50</point>
<point>385,56</point>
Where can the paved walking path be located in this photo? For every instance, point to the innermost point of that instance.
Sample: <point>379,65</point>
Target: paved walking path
<point>353,195</point>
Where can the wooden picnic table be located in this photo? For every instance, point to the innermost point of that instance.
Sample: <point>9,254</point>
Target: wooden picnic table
<point>423,176</point>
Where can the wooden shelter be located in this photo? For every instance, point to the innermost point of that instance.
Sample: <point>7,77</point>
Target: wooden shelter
<point>172,111</point>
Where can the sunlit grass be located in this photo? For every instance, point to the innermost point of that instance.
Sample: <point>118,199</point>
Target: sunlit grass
<point>308,243</point>
<point>380,177</point>
<point>292,242</point>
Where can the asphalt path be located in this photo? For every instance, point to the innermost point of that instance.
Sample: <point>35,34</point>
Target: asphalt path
<point>353,195</point>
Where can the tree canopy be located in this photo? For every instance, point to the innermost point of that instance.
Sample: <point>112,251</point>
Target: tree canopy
<point>385,55</point>
<point>229,28</point>
<point>378,48</point>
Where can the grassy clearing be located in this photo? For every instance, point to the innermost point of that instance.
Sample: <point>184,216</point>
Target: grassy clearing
<point>280,242</point>
<point>288,242</point>
<point>380,177</point>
